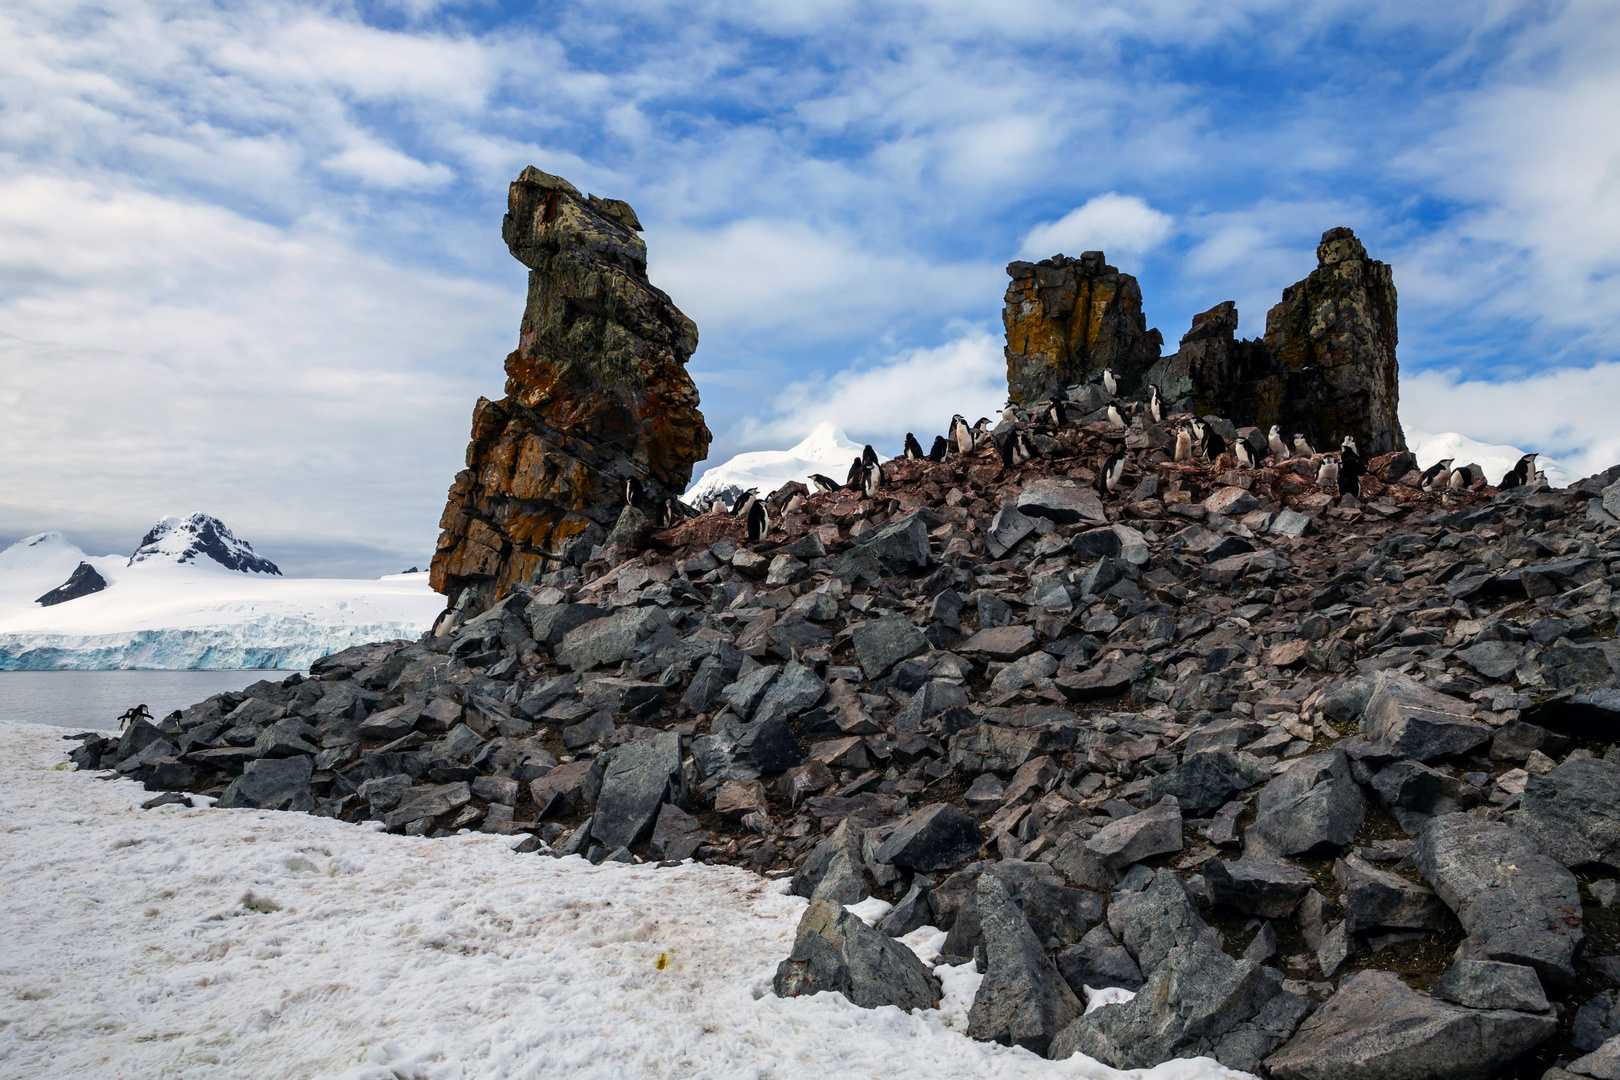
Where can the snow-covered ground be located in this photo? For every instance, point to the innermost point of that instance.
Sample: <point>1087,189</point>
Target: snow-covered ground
<point>195,944</point>
<point>161,613</point>
<point>826,450</point>
<point>1496,460</point>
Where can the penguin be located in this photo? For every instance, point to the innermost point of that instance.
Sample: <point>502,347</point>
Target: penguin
<point>913,448</point>
<point>634,492</point>
<point>759,522</point>
<point>1114,417</point>
<point>1303,447</point>
<point>1111,473</point>
<point>857,474</point>
<point>1184,443</point>
<point>1351,470</point>
<point>823,484</point>
<point>937,451</point>
<point>1463,477</point>
<point>981,432</point>
<point>1327,473</point>
<point>1349,443</point>
<point>1436,476</point>
<point>1274,439</point>
<point>1016,449</point>
<point>1520,474</point>
<point>872,479</point>
<point>869,455</point>
<point>1245,455</point>
<point>1010,413</point>
<point>1214,446</point>
<point>961,437</point>
<point>1051,415</point>
<point>744,505</point>
<point>1155,406</point>
<point>1110,383</point>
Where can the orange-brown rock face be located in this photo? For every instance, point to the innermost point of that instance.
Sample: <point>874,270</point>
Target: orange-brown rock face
<point>1068,319</point>
<point>596,393</point>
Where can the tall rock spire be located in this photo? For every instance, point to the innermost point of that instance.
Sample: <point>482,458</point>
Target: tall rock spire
<point>596,393</point>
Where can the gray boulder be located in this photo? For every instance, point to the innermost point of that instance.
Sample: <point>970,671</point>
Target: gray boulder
<point>842,883</point>
<point>637,780</point>
<point>1601,1064</point>
<point>936,837</point>
<point>1022,1001</point>
<point>884,642</point>
<point>912,912</point>
<point>1007,528</point>
<point>1099,961</point>
<point>834,950</point>
<point>1316,803</point>
<point>844,840</point>
<point>795,690</point>
<point>1155,920</point>
<point>1487,984</point>
<point>1057,914</point>
<point>1270,888</point>
<point>1375,899</point>
<point>1063,501</point>
<point>1154,831</point>
<point>1406,719</point>
<point>1517,905</point>
<point>1573,812</point>
<point>1378,1028</point>
<point>609,640</point>
<point>272,784</point>
<point>1204,782</point>
<point>424,803</point>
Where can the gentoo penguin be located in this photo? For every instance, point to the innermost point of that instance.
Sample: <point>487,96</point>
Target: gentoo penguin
<point>1351,469</point>
<point>1111,473</point>
<point>1436,476</point>
<point>1245,455</point>
<point>937,452</point>
<point>1279,449</point>
<point>759,522</point>
<point>1327,473</point>
<point>872,480</point>
<point>960,437</point>
<point>857,474</point>
<point>634,492</point>
<point>869,455</point>
<point>1521,473</point>
<point>1114,416</point>
<point>1303,447</point>
<point>1184,443</point>
<point>823,484</point>
<point>913,448</point>
<point>1155,406</point>
<point>1110,383</point>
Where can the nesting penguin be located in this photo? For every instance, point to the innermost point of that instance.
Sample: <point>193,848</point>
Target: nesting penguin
<point>1184,443</point>
<point>1521,474</point>
<point>913,451</point>
<point>759,522</point>
<point>937,451</point>
<point>1351,470</point>
<point>1274,439</point>
<point>1463,477</point>
<point>1436,476</point>
<point>823,484</point>
<point>1112,473</point>
<point>1110,383</point>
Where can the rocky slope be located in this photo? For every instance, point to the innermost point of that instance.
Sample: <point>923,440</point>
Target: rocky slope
<point>1326,778</point>
<point>596,394</point>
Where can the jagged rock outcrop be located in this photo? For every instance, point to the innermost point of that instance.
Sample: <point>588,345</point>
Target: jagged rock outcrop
<point>82,582</point>
<point>597,392</point>
<point>1067,319</point>
<point>1326,366</point>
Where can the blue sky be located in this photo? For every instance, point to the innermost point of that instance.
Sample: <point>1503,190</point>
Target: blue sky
<point>250,256</point>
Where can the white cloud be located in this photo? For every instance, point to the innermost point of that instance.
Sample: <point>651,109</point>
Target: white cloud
<point>382,166</point>
<point>1111,223</point>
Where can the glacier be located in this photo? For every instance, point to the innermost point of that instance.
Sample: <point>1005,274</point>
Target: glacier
<point>825,450</point>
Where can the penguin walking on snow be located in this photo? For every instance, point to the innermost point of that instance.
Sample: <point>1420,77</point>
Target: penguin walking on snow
<point>1351,470</point>
<point>937,451</point>
<point>1112,473</point>
<point>913,448</point>
<point>759,522</point>
<point>1436,476</point>
<point>823,484</point>
<point>1279,449</point>
<point>1521,474</point>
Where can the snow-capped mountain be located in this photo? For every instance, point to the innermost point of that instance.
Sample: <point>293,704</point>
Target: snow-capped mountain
<point>181,605</point>
<point>1494,459</point>
<point>825,450</point>
<point>198,537</point>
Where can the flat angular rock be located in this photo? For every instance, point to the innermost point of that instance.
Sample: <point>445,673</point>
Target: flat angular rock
<point>1601,1064</point>
<point>1007,528</point>
<point>609,640</point>
<point>1062,501</point>
<point>1270,888</point>
<point>1292,523</point>
<point>1231,501</point>
<point>1493,659</point>
<point>936,837</point>
<point>1106,679</point>
<point>430,801</point>
<point>1001,642</point>
<point>899,545</point>
<point>834,950</point>
<point>748,691</point>
<point>619,695</point>
<point>560,792</point>
<point>676,835</point>
<point>272,784</point>
<point>794,691</point>
<point>1023,1001</point>
<point>1377,899</point>
<point>884,642</point>
<point>1573,813</point>
<point>1488,984</point>
<point>1156,919</point>
<point>1205,782</point>
<point>636,781</point>
<point>1057,914</point>
<point>1316,803</point>
<point>550,623</point>
<point>1001,749</point>
<point>1153,831</point>
<point>1378,1028</point>
<point>843,840</point>
<point>843,883</point>
<point>1099,961</point>
<point>1406,719</point>
<point>1518,905</point>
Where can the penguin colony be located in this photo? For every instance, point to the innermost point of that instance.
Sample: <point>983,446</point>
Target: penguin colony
<point>1014,439</point>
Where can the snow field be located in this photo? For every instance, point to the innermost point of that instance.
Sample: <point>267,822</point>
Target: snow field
<point>208,943</point>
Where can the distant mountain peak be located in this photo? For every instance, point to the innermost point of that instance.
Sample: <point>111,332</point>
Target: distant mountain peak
<point>198,537</point>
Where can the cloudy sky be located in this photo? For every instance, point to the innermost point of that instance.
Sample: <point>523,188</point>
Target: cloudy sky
<point>250,255</point>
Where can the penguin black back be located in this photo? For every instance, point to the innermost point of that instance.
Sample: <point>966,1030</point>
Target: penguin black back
<point>869,455</point>
<point>634,492</point>
<point>857,471</point>
<point>1351,471</point>
<point>759,522</point>
<point>913,448</point>
<point>937,452</point>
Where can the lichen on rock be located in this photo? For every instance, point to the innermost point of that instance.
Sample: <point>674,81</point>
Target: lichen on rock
<point>597,392</point>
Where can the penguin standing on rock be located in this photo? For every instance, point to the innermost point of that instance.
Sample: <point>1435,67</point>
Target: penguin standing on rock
<point>857,474</point>
<point>981,432</point>
<point>961,436</point>
<point>1114,416</point>
<point>872,479</point>
<point>1303,447</point>
<point>1327,473</point>
<point>1351,470</point>
<point>759,522</point>
<point>744,504</point>
<point>1279,449</point>
<point>1112,473</point>
<point>1463,477</point>
<point>937,451</point>
<point>823,484</point>
<point>1110,383</point>
<point>1016,449</point>
<point>1245,455</point>
<point>1521,474</point>
<point>869,455</point>
<point>1155,406</point>
<point>1184,444</point>
<point>913,448</point>
<point>634,492</point>
<point>1214,446</point>
<point>1436,476</point>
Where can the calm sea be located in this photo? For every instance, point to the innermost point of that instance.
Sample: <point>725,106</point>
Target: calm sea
<point>92,700</point>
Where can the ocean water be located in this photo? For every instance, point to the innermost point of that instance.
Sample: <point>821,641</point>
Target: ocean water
<point>93,700</point>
